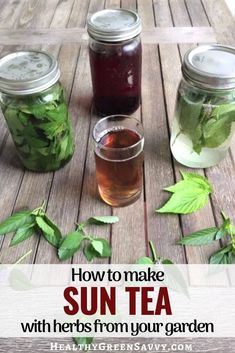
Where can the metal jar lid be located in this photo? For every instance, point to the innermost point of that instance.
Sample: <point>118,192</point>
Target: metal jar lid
<point>27,72</point>
<point>210,66</point>
<point>114,25</point>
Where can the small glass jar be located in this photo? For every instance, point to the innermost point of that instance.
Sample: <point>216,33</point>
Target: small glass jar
<point>205,107</point>
<point>34,106</point>
<point>115,60</point>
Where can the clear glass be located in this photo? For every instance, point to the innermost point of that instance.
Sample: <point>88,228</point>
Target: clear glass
<point>119,143</point>
<point>116,75</point>
<point>40,128</point>
<point>203,125</point>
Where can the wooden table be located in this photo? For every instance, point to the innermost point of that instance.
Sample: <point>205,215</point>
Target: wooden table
<point>169,29</point>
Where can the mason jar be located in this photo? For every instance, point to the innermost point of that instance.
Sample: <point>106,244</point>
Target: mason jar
<point>205,107</point>
<point>115,60</point>
<point>33,103</point>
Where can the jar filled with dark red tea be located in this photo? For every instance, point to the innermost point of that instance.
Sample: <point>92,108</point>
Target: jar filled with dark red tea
<point>115,60</point>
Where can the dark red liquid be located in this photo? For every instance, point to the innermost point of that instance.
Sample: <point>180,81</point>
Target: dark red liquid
<point>119,172</point>
<point>116,77</point>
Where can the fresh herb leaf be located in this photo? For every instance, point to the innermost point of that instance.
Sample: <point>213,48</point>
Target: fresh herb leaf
<point>225,255</point>
<point>202,237</point>
<point>57,232</point>
<point>222,256</point>
<point>167,262</point>
<point>197,180</point>
<point>145,261</point>
<point>22,234</point>
<point>102,247</point>
<point>17,220</point>
<point>100,220</point>
<point>41,129</point>
<point>206,121</point>
<point>70,245</point>
<point>184,203</point>
<point>98,246</point>
<point>189,194</point>
<point>49,230</point>
<point>220,234</point>
<point>89,252</point>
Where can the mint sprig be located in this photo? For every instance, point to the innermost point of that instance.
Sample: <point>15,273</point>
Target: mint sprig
<point>93,247</point>
<point>225,255</point>
<point>188,195</point>
<point>26,223</point>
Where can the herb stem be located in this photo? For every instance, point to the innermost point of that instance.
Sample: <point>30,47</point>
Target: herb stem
<point>153,251</point>
<point>176,137</point>
<point>22,257</point>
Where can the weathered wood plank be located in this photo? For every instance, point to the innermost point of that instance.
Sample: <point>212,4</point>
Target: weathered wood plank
<point>162,230</point>
<point>221,20</point>
<point>112,4</point>
<point>196,12</point>
<point>79,35</point>
<point>10,13</point>
<point>162,13</point>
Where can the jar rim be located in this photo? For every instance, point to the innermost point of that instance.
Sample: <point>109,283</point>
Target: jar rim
<point>119,149</point>
<point>16,67</point>
<point>114,25</point>
<point>210,67</point>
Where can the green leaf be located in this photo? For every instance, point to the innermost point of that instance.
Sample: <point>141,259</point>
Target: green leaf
<point>100,220</point>
<point>223,109</point>
<point>198,180</point>
<point>184,203</point>
<point>89,252</point>
<point>145,260</point>
<point>102,247</point>
<point>38,110</point>
<point>222,256</point>
<point>167,262</point>
<point>83,341</point>
<point>98,246</point>
<point>17,220</point>
<point>220,234</point>
<point>181,186</point>
<point>189,114</point>
<point>22,234</point>
<point>227,225</point>
<point>216,132</point>
<point>189,194</point>
<point>49,230</point>
<point>202,237</point>
<point>70,244</point>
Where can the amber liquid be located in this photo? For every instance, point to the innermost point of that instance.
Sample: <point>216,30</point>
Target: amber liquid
<point>119,175</point>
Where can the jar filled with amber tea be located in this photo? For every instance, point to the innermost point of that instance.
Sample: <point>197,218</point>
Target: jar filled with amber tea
<point>205,107</point>
<point>34,106</point>
<point>115,60</point>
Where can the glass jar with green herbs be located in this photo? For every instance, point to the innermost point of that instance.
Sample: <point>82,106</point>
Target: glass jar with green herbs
<point>205,107</point>
<point>34,106</point>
